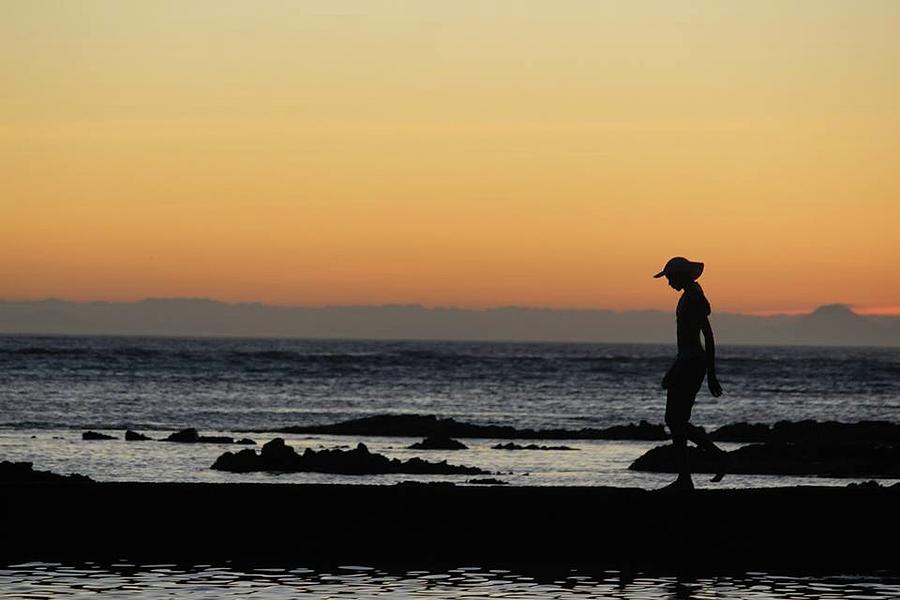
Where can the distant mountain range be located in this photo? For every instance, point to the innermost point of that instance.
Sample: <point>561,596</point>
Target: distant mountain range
<point>828,325</point>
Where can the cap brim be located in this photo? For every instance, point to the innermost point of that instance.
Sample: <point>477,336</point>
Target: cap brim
<point>693,270</point>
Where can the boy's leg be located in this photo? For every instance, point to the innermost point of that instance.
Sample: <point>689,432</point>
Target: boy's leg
<point>701,438</point>
<point>677,414</point>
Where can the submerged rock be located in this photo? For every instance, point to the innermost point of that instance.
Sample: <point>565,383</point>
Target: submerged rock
<point>514,446</point>
<point>438,442</point>
<point>487,481</point>
<point>278,457</point>
<point>134,436</point>
<point>807,458</point>
<point>23,472</point>
<point>94,435</point>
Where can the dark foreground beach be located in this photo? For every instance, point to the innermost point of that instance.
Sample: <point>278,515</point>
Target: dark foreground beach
<point>429,525</point>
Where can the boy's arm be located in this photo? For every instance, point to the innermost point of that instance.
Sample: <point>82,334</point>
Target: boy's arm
<point>710,344</point>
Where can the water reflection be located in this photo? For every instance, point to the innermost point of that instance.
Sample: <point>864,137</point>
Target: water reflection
<point>44,580</point>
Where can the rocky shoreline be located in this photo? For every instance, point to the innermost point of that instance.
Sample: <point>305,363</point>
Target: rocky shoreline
<point>424,525</point>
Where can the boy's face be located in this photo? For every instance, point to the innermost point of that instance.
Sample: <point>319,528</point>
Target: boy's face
<point>677,282</point>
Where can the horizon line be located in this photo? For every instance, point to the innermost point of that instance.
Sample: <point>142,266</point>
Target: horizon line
<point>875,311</point>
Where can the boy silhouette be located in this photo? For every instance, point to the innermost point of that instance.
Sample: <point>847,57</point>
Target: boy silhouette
<point>693,362</point>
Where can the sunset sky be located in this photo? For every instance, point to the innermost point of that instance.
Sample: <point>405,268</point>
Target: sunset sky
<point>451,153</point>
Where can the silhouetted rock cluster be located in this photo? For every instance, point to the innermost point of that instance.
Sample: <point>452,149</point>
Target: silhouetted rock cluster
<point>94,435</point>
<point>853,459</point>
<point>865,485</point>
<point>429,425</point>
<point>514,446</point>
<point>22,472</point>
<point>438,443</point>
<point>277,457</point>
<point>192,436</point>
<point>487,481</point>
<point>185,436</point>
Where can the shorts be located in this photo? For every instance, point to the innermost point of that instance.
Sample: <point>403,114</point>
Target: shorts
<point>686,377</point>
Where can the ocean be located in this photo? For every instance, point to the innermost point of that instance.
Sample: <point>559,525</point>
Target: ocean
<point>53,388</point>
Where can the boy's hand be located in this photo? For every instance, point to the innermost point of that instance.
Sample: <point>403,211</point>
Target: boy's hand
<point>715,388</point>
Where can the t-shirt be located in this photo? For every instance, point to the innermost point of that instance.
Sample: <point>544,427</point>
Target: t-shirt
<point>693,308</point>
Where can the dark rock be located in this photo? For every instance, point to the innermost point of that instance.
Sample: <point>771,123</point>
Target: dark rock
<point>430,425</point>
<point>514,446</point>
<point>134,436</point>
<point>742,432</point>
<point>487,481</point>
<point>94,435</point>
<point>431,485</point>
<point>246,442</point>
<point>642,431</point>
<point>438,443</point>
<point>185,436</point>
<point>216,439</point>
<point>810,431</point>
<point>278,457</point>
<point>865,485</point>
<point>22,472</point>
<point>807,458</point>
<point>191,436</point>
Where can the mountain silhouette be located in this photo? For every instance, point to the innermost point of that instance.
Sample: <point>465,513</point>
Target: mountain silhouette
<point>833,324</point>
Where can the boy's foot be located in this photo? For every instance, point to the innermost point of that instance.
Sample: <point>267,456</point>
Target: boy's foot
<point>679,485</point>
<point>721,459</point>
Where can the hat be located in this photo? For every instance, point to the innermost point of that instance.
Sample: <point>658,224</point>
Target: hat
<point>681,265</point>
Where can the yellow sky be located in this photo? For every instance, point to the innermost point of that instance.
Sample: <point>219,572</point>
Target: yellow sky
<point>451,153</point>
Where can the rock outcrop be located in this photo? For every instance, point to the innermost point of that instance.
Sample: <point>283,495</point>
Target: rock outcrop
<point>95,435</point>
<point>822,432</point>
<point>23,472</point>
<point>192,436</point>
<point>514,446</point>
<point>438,443</point>
<point>134,436</point>
<point>276,456</point>
<point>430,425</point>
<point>856,459</point>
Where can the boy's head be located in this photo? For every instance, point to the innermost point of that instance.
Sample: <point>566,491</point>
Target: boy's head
<point>680,271</point>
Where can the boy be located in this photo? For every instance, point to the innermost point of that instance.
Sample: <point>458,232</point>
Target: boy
<point>685,377</point>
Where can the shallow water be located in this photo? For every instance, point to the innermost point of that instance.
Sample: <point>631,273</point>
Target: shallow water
<point>46,580</point>
<point>591,463</point>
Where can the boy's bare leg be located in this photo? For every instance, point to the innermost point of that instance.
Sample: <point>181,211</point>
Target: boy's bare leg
<point>684,481</point>
<point>701,438</point>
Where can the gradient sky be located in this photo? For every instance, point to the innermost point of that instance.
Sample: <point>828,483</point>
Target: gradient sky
<point>466,153</point>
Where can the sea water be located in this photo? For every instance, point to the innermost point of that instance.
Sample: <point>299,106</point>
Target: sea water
<point>53,388</point>
<point>123,580</point>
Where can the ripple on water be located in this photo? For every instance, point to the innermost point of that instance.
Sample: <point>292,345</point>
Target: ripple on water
<point>47,580</point>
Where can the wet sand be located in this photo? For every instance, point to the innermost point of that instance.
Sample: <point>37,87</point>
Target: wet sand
<point>428,525</point>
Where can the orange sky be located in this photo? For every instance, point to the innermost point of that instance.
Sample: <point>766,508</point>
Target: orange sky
<point>451,153</point>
